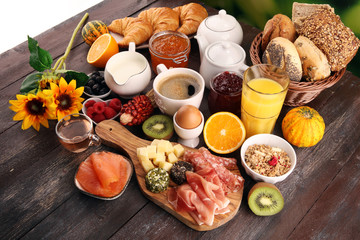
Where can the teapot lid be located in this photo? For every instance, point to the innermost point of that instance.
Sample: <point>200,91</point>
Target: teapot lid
<point>220,23</point>
<point>225,53</point>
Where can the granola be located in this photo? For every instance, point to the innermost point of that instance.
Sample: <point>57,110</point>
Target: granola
<point>266,160</point>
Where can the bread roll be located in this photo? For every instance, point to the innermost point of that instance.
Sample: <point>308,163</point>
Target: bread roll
<point>278,26</point>
<point>315,65</point>
<point>326,30</point>
<point>302,10</point>
<point>282,53</point>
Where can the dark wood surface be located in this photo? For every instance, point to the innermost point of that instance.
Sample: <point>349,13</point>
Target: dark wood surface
<point>38,198</point>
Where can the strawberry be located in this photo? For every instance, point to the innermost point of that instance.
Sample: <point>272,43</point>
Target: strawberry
<point>89,103</point>
<point>90,112</point>
<point>115,104</point>
<point>109,112</point>
<point>99,107</point>
<point>98,117</point>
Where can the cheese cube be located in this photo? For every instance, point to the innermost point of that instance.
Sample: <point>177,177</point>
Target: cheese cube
<point>160,157</point>
<point>162,145</point>
<point>172,158</point>
<point>169,148</point>
<point>166,165</point>
<point>147,164</point>
<point>151,149</point>
<point>155,142</point>
<point>179,150</point>
<point>142,152</point>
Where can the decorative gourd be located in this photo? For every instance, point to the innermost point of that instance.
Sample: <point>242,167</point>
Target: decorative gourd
<point>303,126</point>
<point>92,30</point>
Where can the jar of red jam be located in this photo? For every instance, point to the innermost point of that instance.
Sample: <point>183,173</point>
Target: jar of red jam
<point>170,48</point>
<point>225,93</point>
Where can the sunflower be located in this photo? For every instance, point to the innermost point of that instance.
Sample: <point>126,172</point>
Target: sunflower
<point>66,97</point>
<point>33,110</point>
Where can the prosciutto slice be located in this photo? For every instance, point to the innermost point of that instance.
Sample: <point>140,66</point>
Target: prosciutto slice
<point>200,198</point>
<point>203,159</point>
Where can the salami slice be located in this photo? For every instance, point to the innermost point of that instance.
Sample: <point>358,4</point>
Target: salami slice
<point>232,181</point>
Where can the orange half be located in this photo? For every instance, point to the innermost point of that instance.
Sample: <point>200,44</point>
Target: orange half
<point>102,50</point>
<point>224,132</point>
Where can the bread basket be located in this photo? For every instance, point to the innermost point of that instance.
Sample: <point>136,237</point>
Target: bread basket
<point>299,93</point>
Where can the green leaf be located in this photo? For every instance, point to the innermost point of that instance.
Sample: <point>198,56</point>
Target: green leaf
<point>31,83</point>
<point>80,77</point>
<point>40,59</point>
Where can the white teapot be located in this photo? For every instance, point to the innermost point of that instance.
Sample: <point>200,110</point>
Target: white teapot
<point>127,73</point>
<point>219,27</point>
<point>222,56</point>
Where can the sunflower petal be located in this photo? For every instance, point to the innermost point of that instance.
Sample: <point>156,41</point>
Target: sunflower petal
<point>19,116</point>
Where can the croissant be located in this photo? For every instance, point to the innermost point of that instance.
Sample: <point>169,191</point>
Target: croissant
<point>191,15</point>
<point>161,19</point>
<point>133,29</point>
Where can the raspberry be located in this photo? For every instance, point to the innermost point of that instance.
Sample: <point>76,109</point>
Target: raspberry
<point>90,112</point>
<point>98,117</point>
<point>99,107</point>
<point>115,104</point>
<point>273,161</point>
<point>89,103</point>
<point>109,112</point>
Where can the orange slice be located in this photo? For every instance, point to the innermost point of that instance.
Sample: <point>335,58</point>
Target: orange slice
<point>224,132</point>
<point>102,50</point>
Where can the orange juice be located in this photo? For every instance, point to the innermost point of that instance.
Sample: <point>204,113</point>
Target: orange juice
<point>261,103</point>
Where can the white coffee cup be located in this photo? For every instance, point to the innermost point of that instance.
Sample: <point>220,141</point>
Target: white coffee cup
<point>169,105</point>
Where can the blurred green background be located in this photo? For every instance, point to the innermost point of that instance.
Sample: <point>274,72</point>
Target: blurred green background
<point>258,12</point>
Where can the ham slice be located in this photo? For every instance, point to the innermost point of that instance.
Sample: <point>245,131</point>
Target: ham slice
<point>200,198</point>
<point>203,159</point>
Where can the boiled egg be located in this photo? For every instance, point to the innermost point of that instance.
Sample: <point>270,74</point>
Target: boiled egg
<point>188,117</point>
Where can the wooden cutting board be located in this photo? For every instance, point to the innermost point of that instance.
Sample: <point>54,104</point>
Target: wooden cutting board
<point>115,135</point>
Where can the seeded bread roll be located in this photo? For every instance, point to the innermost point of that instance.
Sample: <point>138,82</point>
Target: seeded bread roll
<point>278,26</point>
<point>302,10</point>
<point>283,54</point>
<point>314,62</point>
<point>326,30</point>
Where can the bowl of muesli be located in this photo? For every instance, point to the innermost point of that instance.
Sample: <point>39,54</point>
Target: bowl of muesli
<point>267,158</point>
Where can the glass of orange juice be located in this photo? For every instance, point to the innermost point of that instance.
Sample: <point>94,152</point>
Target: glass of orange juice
<point>263,94</point>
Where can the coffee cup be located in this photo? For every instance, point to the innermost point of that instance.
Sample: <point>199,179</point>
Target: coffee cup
<point>176,87</point>
<point>75,132</point>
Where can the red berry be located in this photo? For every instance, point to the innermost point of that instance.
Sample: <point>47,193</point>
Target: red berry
<point>99,107</point>
<point>90,111</point>
<point>273,161</point>
<point>109,112</point>
<point>115,104</point>
<point>89,103</point>
<point>98,117</point>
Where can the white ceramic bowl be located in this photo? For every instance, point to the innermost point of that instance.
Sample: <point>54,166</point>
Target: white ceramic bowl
<point>98,96</point>
<point>97,100</point>
<point>274,141</point>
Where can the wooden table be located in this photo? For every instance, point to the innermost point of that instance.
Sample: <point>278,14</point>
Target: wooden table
<point>38,198</point>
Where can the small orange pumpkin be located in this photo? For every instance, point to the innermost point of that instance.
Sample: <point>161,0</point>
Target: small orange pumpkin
<point>303,126</point>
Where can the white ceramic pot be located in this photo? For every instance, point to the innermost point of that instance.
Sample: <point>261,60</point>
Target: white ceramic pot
<point>222,56</point>
<point>127,73</point>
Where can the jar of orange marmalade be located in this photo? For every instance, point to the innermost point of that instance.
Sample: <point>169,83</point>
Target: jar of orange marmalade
<point>170,48</point>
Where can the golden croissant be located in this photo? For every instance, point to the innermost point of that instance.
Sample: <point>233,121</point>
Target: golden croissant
<point>133,29</point>
<point>161,19</point>
<point>191,15</point>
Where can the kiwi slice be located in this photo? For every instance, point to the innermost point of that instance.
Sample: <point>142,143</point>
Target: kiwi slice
<point>158,127</point>
<point>265,199</point>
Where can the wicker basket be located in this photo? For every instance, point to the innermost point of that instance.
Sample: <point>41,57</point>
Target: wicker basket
<point>299,93</point>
